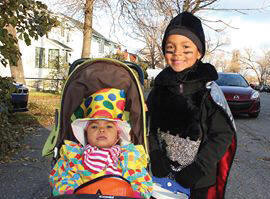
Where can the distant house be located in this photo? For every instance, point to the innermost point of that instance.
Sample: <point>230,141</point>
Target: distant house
<point>63,45</point>
<point>127,56</point>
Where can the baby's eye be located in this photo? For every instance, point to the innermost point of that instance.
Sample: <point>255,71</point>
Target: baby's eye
<point>186,46</point>
<point>93,126</point>
<point>109,126</point>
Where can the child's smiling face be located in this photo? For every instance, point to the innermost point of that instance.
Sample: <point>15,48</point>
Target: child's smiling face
<point>102,133</point>
<point>180,52</point>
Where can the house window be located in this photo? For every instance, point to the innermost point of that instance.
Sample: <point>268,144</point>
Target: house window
<point>53,58</point>
<point>65,60</point>
<point>62,30</point>
<point>40,57</point>
<point>100,47</point>
<point>68,35</point>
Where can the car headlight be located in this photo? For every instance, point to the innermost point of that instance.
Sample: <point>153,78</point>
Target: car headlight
<point>255,95</point>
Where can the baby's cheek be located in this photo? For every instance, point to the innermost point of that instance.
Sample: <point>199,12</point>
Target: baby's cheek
<point>90,140</point>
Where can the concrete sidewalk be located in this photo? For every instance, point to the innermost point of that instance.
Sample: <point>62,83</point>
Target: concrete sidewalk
<point>26,176</point>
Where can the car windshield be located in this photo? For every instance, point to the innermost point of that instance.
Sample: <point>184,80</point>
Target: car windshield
<point>231,80</point>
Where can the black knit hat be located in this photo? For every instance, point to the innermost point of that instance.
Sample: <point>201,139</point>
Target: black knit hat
<point>188,25</point>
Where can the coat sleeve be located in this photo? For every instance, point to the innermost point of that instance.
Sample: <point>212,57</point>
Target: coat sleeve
<point>64,178</point>
<point>217,140</point>
<point>133,162</point>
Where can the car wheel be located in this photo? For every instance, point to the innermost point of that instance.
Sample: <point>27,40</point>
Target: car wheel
<point>253,115</point>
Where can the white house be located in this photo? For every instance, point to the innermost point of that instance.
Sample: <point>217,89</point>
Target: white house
<point>62,44</point>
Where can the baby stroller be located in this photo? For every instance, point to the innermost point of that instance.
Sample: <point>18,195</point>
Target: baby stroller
<point>86,77</point>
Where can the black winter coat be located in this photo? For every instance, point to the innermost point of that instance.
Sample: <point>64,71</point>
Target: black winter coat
<point>181,104</point>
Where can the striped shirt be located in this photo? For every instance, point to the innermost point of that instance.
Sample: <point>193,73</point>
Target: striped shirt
<point>98,159</point>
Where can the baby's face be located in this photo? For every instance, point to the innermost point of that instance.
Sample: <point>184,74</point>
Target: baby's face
<point>102,134</point>
<point>180,52</point>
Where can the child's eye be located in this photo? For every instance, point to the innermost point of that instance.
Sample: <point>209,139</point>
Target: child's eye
<point>169,49</point>
<point>109,126</point>
<point>188,52</point>
<point>187,49</point>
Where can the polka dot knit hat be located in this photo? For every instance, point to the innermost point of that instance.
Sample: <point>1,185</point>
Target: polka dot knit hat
<point>106,104</point>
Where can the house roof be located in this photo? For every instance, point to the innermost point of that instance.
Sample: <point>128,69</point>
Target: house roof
<point>61,44</point>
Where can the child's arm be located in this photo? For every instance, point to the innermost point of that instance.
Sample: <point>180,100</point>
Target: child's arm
<point>140,181</point>
<point>133,163</point>
<point>62,178</point>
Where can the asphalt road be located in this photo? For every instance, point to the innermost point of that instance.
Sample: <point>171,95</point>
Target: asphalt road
<point>250,174</point>
<point>26,177</point>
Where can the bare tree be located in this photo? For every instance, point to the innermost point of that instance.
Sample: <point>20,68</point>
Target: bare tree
<point>235,62</point>
<point>81,9</point>
<point>145,18</point>
<point>264,66</point>
<point>214,54</point>
<point>220,60</point>
<point>152,51</point>
<point>87,28</point>
<point>149,19</point>
<point>214,44</point>
<point>260,66</point>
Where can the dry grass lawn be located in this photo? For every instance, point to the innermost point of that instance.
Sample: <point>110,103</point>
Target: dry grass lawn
<point>41,110</point>
<point>42,107</point>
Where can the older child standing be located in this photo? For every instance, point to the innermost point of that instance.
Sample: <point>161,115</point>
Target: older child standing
<point>104,147</point>
<point>192,139</point>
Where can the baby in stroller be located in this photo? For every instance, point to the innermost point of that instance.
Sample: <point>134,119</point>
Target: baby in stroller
<point>104,148</point>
